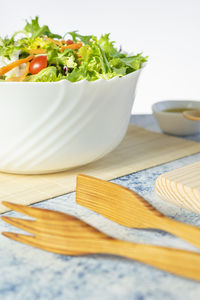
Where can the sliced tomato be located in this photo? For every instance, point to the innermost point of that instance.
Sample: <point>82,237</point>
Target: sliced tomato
<point>37,64</point>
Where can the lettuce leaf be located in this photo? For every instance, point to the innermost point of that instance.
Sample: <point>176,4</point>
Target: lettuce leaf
<point>108,46</point>
<point>100,59</point>
<point>86,39</point>
<point>134,62</point>
<point>36,31</point>
<point>45,75</point>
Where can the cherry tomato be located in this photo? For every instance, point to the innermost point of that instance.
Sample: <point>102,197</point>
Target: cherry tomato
<point>69,42</point>
<point>37,64</point>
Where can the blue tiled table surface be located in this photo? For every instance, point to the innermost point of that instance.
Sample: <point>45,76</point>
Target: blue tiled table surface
<point>33,274</point>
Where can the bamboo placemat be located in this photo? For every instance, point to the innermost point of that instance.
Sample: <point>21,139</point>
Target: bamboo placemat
<point>140,149</point>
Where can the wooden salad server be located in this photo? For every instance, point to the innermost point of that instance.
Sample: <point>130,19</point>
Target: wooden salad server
<point>64,234</point>
<point>193,115</point>
<point>127,208</point>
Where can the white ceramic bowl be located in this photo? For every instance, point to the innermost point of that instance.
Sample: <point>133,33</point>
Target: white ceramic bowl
<point>175,123</point>
<point>50,127</point>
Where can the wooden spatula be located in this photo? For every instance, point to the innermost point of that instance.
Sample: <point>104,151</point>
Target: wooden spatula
<point>127,208</point>
<point>193,115</point>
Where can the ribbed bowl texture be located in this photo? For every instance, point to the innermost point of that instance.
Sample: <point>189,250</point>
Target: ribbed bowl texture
<point>54,126</point>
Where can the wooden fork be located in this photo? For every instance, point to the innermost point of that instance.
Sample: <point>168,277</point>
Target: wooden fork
<point>127,208</point>
<point>64,234</point>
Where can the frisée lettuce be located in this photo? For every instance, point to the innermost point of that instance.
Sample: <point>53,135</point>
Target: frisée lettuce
<point>43,56</point>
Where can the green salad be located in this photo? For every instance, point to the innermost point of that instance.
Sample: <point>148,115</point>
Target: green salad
<point>38,55</point>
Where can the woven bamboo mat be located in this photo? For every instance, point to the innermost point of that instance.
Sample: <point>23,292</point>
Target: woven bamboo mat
<point>140,149</point>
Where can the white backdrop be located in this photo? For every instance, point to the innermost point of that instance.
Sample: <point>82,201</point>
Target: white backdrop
<point>167,31</point>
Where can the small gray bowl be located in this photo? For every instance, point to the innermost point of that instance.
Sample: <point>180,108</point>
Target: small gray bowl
<point>174,122</point>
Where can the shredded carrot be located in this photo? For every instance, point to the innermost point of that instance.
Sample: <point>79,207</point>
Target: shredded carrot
<point>20,78</point>
<point>14,64</point>
<point>72,46</point>
<point>37,51</point>
<point>52,41</point>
